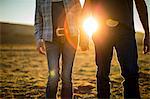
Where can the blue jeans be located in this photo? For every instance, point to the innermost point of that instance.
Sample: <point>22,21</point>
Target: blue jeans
<point>125,45</point>
<point>54,50</point>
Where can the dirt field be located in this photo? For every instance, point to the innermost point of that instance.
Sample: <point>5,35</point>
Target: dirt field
<point>23,72</point>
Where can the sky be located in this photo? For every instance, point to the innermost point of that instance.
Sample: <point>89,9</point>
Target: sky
<point>22,12</point>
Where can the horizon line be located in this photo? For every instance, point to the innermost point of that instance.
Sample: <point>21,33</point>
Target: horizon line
<point>28,24</point>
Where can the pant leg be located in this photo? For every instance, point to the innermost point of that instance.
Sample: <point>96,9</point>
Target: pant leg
<point>103,58</point>
<point>68,55</point>
<point>127,55</point>
<point>53,55</point>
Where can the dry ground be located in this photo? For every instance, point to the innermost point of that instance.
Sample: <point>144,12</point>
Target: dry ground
<point>23,72</point>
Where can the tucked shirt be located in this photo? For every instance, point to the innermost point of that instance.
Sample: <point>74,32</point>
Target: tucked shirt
<point>58,19</point>
<point>43,18</point>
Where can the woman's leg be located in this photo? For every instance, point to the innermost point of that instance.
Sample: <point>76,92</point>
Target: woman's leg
<point>53,55</point>
<point>67,64</point>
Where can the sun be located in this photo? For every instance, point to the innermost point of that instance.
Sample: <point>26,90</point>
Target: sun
<point>90,25</point>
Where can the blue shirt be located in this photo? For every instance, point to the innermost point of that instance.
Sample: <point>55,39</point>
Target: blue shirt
<point>43,18</point>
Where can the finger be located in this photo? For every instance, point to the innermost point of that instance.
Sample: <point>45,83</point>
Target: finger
<point>39,50</point>
<point>146,49</point>
<point>42,50</point>
<point>84,48</point>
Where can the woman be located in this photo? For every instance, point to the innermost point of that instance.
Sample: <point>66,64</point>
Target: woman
<point>56,31</point>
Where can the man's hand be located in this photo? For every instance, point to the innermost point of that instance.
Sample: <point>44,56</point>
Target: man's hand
<point>41,47</point>
<point>146,48</point>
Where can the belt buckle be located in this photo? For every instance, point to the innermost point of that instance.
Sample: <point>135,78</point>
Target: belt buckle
<point>60,31</point>
<point>112,22</point>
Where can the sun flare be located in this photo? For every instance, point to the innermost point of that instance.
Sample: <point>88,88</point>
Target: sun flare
<point>90,25</point>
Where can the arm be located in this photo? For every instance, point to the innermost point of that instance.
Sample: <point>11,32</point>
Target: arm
<point>142,10</point>
<point>88,5</point>
<point>38,22</point>
<point>84,40</point>
<point>39,29</point>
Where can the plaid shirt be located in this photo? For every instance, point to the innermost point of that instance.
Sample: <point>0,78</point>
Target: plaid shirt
<point>43,18</point>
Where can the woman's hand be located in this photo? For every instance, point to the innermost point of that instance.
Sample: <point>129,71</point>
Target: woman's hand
<point>41,47</point>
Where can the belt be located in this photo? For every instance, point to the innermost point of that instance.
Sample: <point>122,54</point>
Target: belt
<point>60,32</point>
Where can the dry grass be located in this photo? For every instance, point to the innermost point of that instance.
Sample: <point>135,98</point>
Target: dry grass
<point>23,73</point>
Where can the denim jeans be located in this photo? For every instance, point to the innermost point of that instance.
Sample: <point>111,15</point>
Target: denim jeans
<point>125,45</point>
<point>54,50</point>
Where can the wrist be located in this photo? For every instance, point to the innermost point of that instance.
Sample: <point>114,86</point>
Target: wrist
<point>39,42</point>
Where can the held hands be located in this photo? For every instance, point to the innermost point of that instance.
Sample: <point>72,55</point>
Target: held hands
<point>41,47</point>
<point>84,41</point>
<point>146,48</point>
<point>86,11</point>
<point>84,46</point>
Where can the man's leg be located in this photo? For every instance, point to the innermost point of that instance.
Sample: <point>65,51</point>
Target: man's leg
<point>53,55</point>
<point>103,57</point>
<point>67,63</point>
<point>127,56</point>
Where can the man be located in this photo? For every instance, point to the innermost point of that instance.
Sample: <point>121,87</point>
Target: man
<point>117,30</point>
<point>55,25</point>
